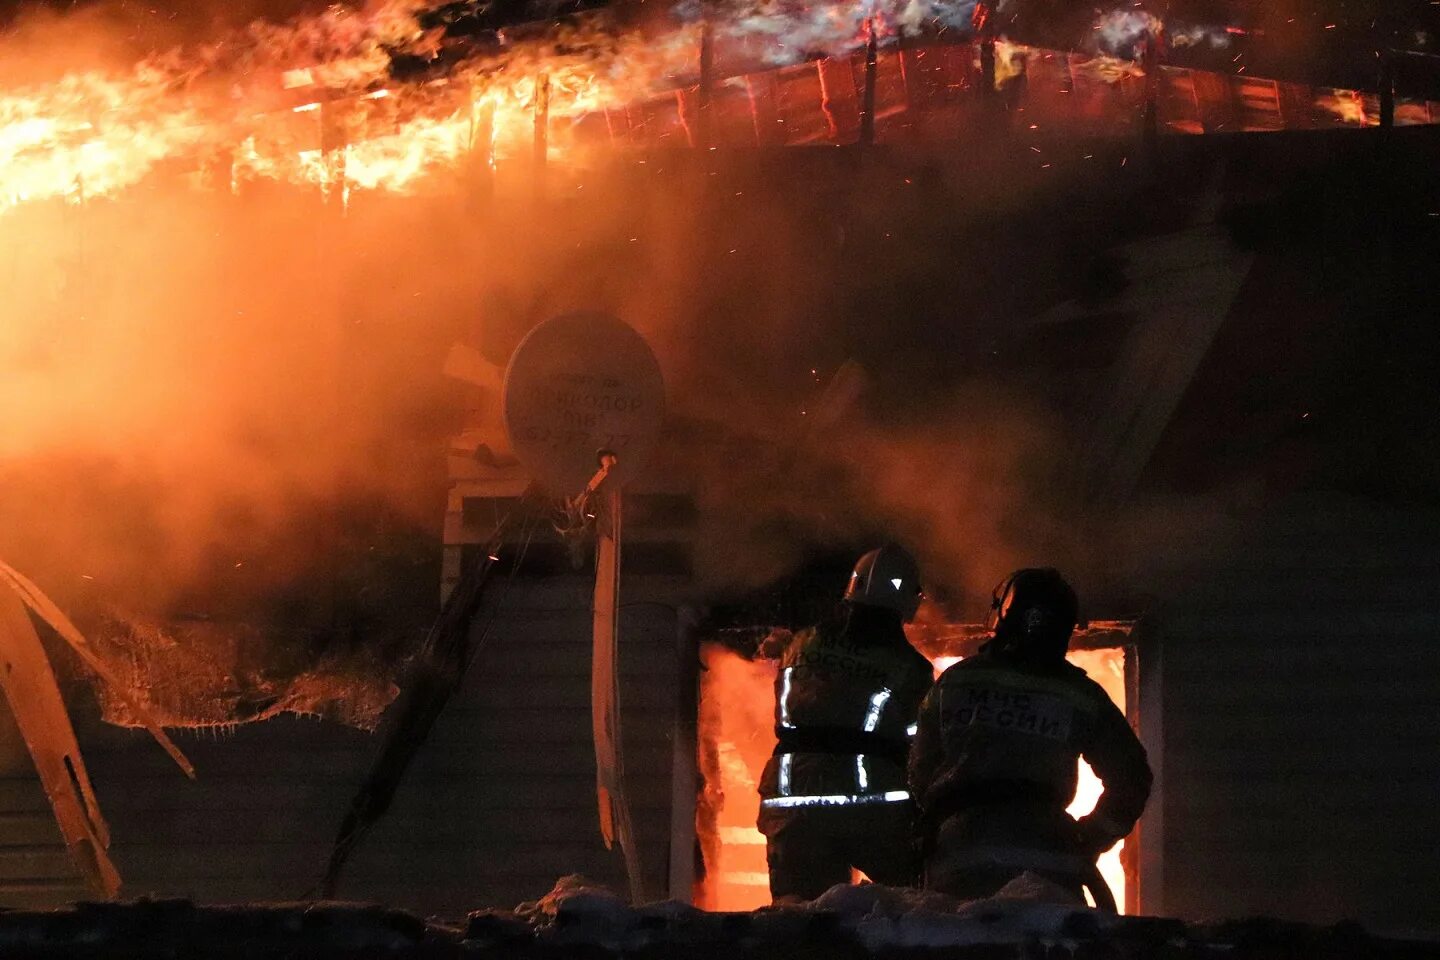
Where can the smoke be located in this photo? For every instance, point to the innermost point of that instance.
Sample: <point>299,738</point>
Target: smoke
<point>217,395</point>
<point>180,408</point>
<point>779,33</point>
<point>1125,32</point>
<point>205,391</point>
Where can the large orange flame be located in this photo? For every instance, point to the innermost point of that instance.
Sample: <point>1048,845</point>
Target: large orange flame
<point>312,102</point>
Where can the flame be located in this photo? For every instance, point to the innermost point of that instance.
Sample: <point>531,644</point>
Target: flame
<point>737,737</point>
<point>1346,106</point>
<point>737,701</point>
<point>89,135</point>
<point>1107,668</point>
<point>93,134</point>
<point>274,101</point>
<point>1010,60</point>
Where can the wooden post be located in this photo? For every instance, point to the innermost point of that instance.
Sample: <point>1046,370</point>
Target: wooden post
<point>615,823</point>
<point>707,80</point>
<point>980,22</point>
<point>1148,710</point>
<point>754,111</point>
<point>337,356</point>
<point>867,102</point>
<point>334,143</point>
<point>684,758</point>
<point>1387,88</point>
<point>542,129</point>
<point>482,150</point>
<point>827,107</point>
<point>1150,64</point>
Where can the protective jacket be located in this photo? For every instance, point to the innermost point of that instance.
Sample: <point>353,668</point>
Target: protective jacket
<point>846,698</point>
<point>993,768</point>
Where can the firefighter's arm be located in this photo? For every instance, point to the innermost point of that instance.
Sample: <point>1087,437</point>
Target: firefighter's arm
<point>925,748</point>
<point>1118,759</point>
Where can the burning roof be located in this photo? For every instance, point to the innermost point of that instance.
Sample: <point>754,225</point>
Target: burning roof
<point>384,96</point>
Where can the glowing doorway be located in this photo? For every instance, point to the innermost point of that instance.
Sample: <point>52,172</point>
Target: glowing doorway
<point>737,702</point>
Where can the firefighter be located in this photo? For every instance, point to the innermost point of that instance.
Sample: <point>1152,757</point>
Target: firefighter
<point>993,762</point>
<point>833,795</point>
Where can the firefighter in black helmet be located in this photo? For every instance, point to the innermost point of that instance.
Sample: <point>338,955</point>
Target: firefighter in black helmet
<point>993,764</point>
<point>833,796</point>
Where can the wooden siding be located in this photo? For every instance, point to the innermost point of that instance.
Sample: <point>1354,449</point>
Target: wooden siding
<point>1301,718</point>
<point>499,802</point>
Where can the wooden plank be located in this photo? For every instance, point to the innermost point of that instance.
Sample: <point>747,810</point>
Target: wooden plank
<point>23,795</point>
<point>642,662</point>
<point>243,793</point>
<point>1182,287</point>
<point>410,861</point>
<point>37,862</point>
<point>522,826</point>
<point>476,890</point>
<point>681,871</point>
<point>561,693</point>
<point>28,829</point>
<point>1293,745</point>
<point>1375,627</point>
<point>760,89</point>
<point>799,105</point>
<point>840,99</point>
<point>541,723</point>
<point>1309,707</point>
<point>1214,771</point>
<point>474,754</point>
<point>1313,664</point>
<point>1318,801</point>
<point>40,894</point>
<point>1265,842</point>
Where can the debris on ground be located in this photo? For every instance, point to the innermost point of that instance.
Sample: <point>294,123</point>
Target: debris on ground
<point>578,919</point>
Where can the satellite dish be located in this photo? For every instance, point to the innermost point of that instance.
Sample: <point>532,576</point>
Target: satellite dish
<point>576,385</point>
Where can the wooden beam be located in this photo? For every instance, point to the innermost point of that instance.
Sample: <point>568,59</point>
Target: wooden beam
<point>867,99</point>
<point>685,746</point>
<point>705,95</point>
<point>542,130</point>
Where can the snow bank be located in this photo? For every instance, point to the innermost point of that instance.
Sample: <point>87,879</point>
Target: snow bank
<point>579,920</point>
<point>871,917</point>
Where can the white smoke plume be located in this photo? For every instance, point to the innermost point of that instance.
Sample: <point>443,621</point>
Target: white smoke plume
<point>1123,32</point>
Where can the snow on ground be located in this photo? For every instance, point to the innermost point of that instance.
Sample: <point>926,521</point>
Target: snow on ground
<point>578,920</point>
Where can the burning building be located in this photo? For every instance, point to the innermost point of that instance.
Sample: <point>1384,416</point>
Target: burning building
<point>260,291</point>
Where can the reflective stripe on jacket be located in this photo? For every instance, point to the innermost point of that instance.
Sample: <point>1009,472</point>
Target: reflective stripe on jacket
<point>856,686</point>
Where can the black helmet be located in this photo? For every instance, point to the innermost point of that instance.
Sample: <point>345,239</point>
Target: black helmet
<point>1033,613</point>
<point>889,578</point>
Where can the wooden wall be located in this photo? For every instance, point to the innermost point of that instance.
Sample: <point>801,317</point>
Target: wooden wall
<point>1301,721</point>
<point>499,802</point>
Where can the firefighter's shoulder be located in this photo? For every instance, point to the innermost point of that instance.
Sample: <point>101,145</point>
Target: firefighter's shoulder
<point>1085,685</point>
<point>1067,682</point>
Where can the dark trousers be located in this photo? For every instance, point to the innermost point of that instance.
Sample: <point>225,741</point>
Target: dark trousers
<point>979,850</point>
<point>985,880</point>
<point>813,850</point>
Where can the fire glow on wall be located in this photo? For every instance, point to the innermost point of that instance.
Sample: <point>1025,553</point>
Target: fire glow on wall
<point>736,739</point>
